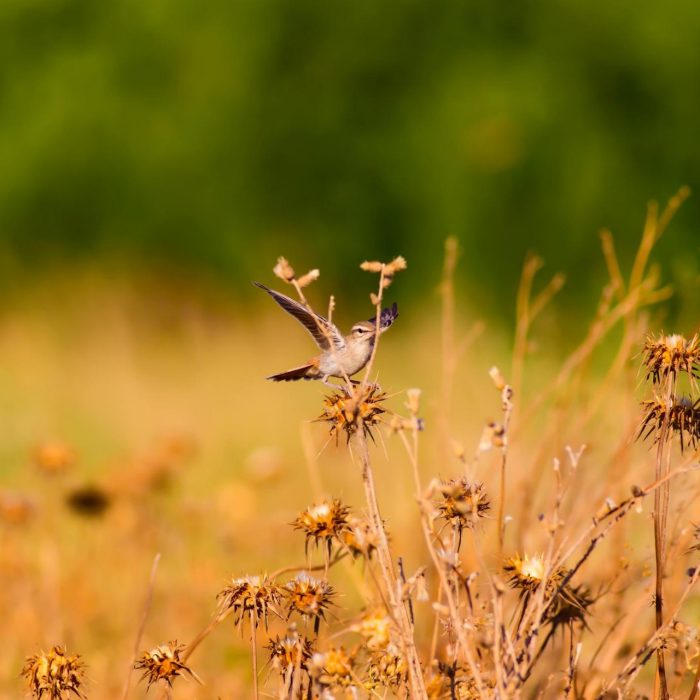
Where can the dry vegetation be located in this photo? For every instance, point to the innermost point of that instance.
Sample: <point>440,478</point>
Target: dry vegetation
<point>487,537</point>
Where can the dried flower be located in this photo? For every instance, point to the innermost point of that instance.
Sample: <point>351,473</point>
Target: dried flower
<point>680,415</point>
<point>462,502</point>
<point>388,669</point>
<point>668,355</point>
<point>89,501</point>
<point>163,663</point>
<point>525,573</point>
<point>308,278</point>
<point>290,651</point>
<point>15,509</point>
<point>54,457</point>
<point>363,409</point>
<point>54,675</point>
<point>324,521</point>
<point>333,668</point>
<point>283,270</point>
<point>375,628</point>
<point>374,266</point>
<point>310,597</point>
<point>359,537</point>
<point>251,597</point>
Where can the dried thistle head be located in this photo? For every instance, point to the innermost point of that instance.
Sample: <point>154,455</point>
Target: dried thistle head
<point>291,651</point>
<point>461,502</point>
<point>253,597</point>
<point>527,573</point>
<point>362,410</point>
<point>88,501</point>
<point>681,415</point>
<point>375,628</point>
<point>324,521</point>
<point>333,668</point>
<point>309,597</point>
<point>15,509</point>
<point>668,355</point>
<point>359,537</point>
<point>53,458</point>
<point>163,663</point>
<point>54,675</point>
<point>388,669</point>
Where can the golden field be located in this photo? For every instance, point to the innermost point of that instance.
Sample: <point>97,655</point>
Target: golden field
<point>136,422</point>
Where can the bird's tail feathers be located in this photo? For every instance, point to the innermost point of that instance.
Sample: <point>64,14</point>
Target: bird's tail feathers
<point>307,371</point>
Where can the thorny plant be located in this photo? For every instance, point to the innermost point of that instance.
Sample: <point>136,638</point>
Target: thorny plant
<point>499,608</point>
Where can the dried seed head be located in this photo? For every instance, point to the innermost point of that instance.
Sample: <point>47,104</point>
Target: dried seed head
<point>525,573</point>
<point>15,509</point>
<point>462,502</point>
<point>363,409</point>
<point>661,419</point>
<point>332,669</point>
<point>163,663</point>
<point>251,597</point>
<point>388,669</point>
<point>54,458</point>
<point>497,378</point>
<point>324,521</point>
<point>88,501</point>
<point>373,266</point>
<point>309,597</point>
<point>396,265</point>
<point>308,278</point>
<point>669,355</point>
<point>494,435</point>
<point>375,628</point>
<point>54,675</point>
<point>292,650</point>
<point>359,537</point>
<point>283,270</point>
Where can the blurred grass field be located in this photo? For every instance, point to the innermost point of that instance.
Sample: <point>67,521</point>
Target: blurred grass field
<point>156,393</point>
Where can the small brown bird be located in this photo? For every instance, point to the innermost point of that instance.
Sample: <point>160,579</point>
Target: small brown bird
<point>342,356</point>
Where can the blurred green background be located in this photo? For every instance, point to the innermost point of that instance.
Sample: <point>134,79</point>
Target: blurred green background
<point>208,138</point>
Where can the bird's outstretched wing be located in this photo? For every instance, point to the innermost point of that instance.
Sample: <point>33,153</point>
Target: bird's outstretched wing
<point>386,318</point>
<point>326,334</point>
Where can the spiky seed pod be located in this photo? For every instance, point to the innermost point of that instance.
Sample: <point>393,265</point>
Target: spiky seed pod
<point>388,669</point>
<point>668,355</point>
<point>309,597</point>
<point>362,410</point>
<point>54,458</point>
<point>662,419</point>
<point>251,594</point>
<point>359,537</point>
<point>375,628</point>
<point>163,663</point>
<point>293,650</point>
<point>54,675</point>
<point>526,573</point>
<point>332,669</point>
<point>323,522</point>
<point>462,502</point>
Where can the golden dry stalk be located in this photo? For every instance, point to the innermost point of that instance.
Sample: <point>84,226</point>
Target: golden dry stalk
<point>163,663</point>
<point>323,522</point>
<point>54,675</point>
<point>461,502</point>
<point>293,650</point>
<point>668,355</point>
<point>363,409</point>
<point>251,596</point>
<point>309,597</point>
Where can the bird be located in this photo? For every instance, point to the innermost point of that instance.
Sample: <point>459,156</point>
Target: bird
<point>341,356</point>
